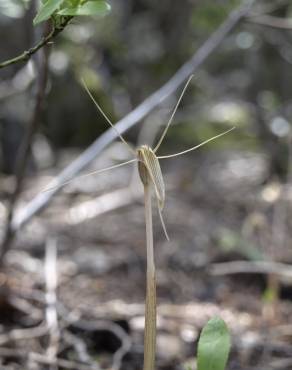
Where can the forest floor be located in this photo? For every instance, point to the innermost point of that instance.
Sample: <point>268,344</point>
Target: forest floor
<point>228,255</point>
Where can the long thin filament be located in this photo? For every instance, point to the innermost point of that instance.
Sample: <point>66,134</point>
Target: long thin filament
<point>172,115</point>
<point>197,146</point>
<point>107,118</point>
<point>89,174</point>
<point>163,223</point>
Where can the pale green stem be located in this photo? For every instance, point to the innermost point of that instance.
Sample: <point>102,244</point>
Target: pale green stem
<point>150,306</point>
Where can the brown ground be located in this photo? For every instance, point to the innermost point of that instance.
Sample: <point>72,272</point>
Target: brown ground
<point>217,210</point>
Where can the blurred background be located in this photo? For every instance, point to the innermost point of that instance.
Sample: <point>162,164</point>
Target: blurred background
<point>72,282</point>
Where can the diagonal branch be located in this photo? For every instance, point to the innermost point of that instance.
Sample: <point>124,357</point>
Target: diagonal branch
<point>26,55</point>
<point>42,199</point>
<point>24,152</point>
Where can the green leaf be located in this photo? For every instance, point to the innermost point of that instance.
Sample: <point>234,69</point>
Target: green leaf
<point>46,10</point>
<point>88,8</point>
<point>214,345</point>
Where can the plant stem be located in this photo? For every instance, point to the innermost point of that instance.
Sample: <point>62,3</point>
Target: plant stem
<point>26,55</point>
<point>150,306</point>
<point>24,151</point>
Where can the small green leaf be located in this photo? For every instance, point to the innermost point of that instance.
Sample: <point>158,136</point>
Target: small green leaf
<point>88,8</point>
<point>214,345</point>
<point>46,10</point>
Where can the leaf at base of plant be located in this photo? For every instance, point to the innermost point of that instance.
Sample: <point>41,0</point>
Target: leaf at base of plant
<point>214,345</point>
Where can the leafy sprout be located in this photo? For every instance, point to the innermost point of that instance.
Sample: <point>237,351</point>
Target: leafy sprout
<point>214,345</point>
<point>59,8</point>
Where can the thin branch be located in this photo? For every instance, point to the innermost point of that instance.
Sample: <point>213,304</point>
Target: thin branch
<point>271,21</point>
<point>80,348</point>
<point>42,199</point>
<point>251,267</point>
<point>26,55</point>
<point>24,151</point>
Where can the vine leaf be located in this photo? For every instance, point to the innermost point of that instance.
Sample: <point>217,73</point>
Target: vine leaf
<point>214,345</point>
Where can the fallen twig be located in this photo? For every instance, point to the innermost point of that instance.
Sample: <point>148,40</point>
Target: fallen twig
<point>117,330</point>
<point>80,349</point>
<point>271,21</point>
<point>251,267</point>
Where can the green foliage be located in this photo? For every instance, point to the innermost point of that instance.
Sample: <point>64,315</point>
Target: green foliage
<point>50,8</point>
<point>214,345</point>
<point>88,8</point>
<point>46,10</point>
